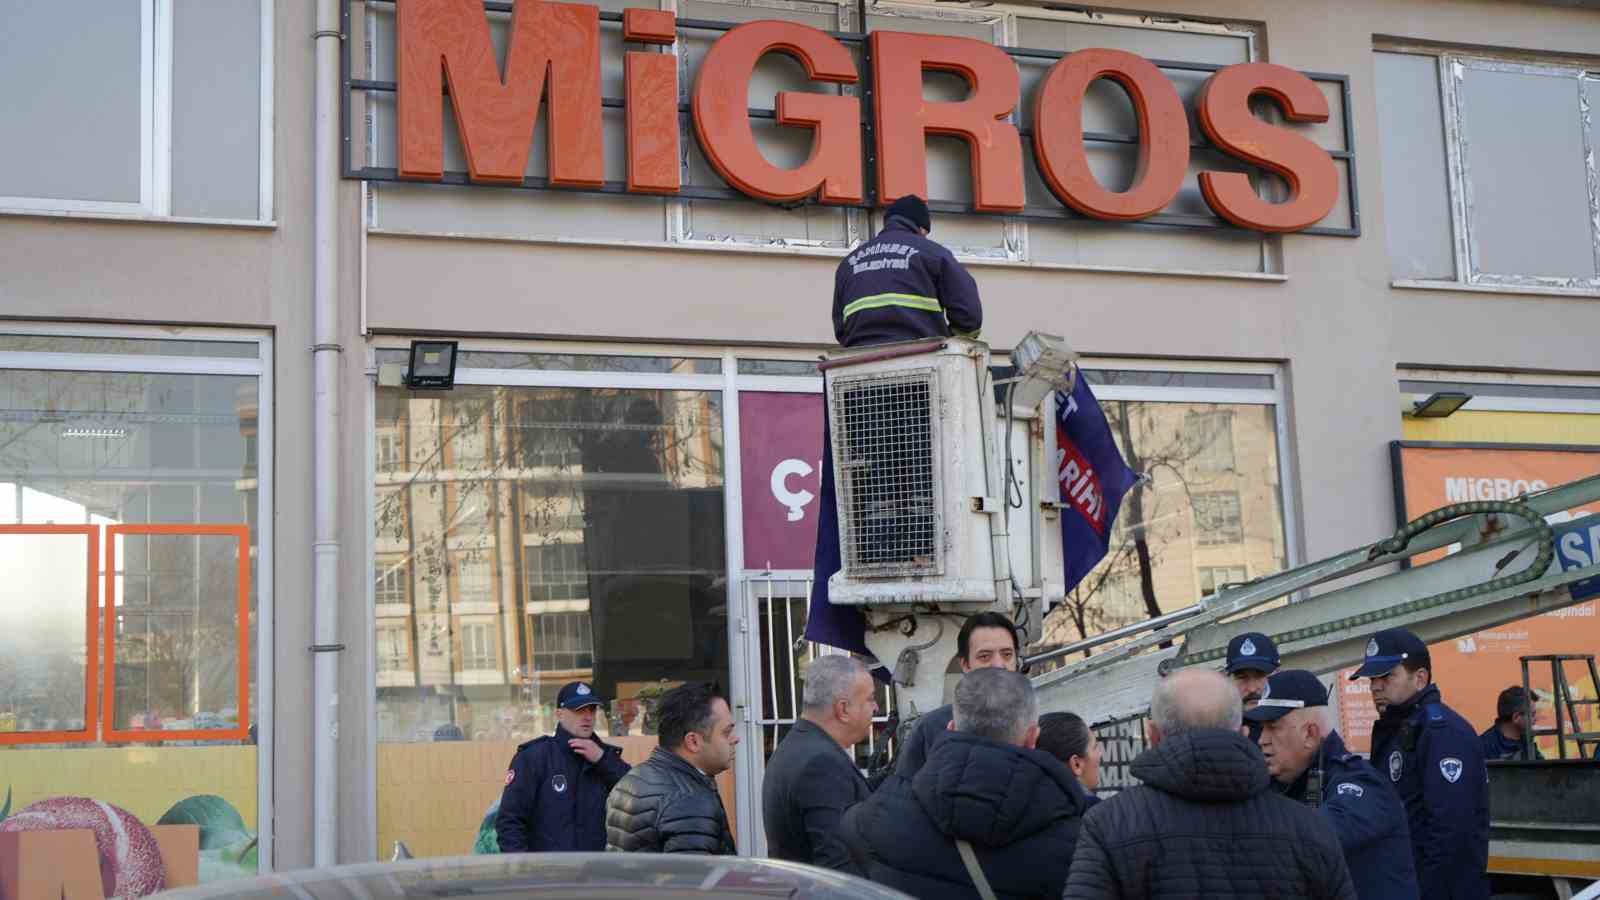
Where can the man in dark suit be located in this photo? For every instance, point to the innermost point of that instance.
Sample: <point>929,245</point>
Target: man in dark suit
<point>812,777</point>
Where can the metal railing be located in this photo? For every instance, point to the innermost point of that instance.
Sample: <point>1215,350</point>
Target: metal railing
<point>777,612</point>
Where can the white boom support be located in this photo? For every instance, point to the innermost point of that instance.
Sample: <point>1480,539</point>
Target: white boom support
<point>1460,594</point>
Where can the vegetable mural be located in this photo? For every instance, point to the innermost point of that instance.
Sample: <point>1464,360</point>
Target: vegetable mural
<point>129,857</point>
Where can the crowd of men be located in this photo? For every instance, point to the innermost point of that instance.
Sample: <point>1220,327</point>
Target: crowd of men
<point>1246,788</point>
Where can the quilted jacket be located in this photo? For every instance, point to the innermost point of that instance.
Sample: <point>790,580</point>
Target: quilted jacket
<point>665,805</point>
<point>1018,808</point>
<point>1205,823</point>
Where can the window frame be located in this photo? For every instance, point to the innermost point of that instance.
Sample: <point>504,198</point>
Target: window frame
<point>743,622</point>
<point>1210,527</point>
<point>155,133</point>
<point>260,367</point>
<point>92,663</point>
<point>1452,71</point>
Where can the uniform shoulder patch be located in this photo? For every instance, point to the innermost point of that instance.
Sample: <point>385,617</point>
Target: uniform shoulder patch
<point>1450,768</point>
<point>1351,789</point>
<point>511,775</point>
<point>1397,765</point>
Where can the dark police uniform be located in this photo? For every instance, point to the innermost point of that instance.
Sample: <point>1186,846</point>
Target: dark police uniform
<point>1360,804</point>
<point>1252,650</point>
<point>554,799</point>
<point>1435,762</point>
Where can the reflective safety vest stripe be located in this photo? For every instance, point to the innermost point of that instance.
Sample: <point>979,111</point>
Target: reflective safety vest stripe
<point>878,301</point>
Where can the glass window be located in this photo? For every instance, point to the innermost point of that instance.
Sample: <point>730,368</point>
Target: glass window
<point>394,646</point>
<point>474,582</point>
<point>556,572</point>
<point>156,470</point>
<point>1217,518</point>
<point>84,137</point>
<point>1209,511</point>
<point>393,580</point>
<point>1213,433</point>
<point>598,554</point>
<point>563,641</point>
<point>1474,154</point>
<point>1214,578</point>
<point>477,646</point>
<point>391,448</point>
<point>792,367</point>
<point>56,343</point>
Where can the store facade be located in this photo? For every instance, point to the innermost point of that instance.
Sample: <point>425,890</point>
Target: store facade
<point>622,485</point>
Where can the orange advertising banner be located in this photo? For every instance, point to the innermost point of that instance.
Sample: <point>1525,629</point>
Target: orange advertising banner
<point>1472,670</point>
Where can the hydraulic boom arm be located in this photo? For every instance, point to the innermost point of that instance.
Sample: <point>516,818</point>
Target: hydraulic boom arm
<point>1506,570</point>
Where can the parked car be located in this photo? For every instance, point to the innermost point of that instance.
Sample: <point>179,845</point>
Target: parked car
<point>561,876</point>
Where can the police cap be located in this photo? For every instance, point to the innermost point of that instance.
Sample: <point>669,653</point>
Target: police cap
<point>1387,649</point>
<point>1252,650</point>
<point>1286,692</point>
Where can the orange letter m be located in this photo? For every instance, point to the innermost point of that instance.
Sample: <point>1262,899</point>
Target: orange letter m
<point>495,118</point>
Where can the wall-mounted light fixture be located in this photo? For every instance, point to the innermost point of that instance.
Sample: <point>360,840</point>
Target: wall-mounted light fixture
<point>1440,404</point>
<point>433,365</point>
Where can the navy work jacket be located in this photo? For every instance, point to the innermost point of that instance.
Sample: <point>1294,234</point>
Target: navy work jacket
<point>900,286</point>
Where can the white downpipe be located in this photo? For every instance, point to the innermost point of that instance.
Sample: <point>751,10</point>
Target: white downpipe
<point>325,440</point>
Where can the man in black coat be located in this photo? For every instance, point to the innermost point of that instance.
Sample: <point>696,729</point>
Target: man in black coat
<point>1205,822</point>
<point>811,778</point>
<point>669,803</point>
<point>555,793</point>
<point>986,807</point>
<point>987,640</point>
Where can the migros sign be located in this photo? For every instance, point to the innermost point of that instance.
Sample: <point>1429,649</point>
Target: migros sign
<point>554,54</point>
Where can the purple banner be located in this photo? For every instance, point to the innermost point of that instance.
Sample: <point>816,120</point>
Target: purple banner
<point>780,459</point>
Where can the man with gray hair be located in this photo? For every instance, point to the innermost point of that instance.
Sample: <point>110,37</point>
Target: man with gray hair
<point>812,778</point>
<point>1306,756</point>
<point>986,815</point>
<point>1205,821</point>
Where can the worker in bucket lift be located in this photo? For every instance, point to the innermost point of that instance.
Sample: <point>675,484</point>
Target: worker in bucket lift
<point>898,286</point>
<point>901,286</point>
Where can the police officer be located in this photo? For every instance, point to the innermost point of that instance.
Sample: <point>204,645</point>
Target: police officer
<point>901,286</point>
<point>555,794</point>
<point>1308,759</point>
<point>1435,761</point>
<point>1252,656</point>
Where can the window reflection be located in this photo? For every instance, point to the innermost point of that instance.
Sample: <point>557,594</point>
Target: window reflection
<point>1210,512</point>
<point>532,536</point>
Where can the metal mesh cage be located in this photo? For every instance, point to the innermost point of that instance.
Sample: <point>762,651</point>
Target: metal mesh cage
<point>884,432</point>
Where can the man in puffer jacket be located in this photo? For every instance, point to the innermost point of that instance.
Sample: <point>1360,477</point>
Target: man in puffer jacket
<point>1205,821</point>
<point>669,803</point>
<point>1014,807</point>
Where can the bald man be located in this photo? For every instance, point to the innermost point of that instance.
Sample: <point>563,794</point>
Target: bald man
<point>1205,820</point>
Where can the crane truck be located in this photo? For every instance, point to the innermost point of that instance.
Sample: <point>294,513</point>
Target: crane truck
<point>949,502</point>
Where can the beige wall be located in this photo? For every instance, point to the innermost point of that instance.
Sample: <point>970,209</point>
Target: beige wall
<point>1334,320</point>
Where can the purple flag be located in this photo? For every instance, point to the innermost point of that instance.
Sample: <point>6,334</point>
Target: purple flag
<point>1094,478</point>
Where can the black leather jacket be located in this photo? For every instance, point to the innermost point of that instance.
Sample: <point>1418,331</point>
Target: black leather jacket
<point>665,805</point>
